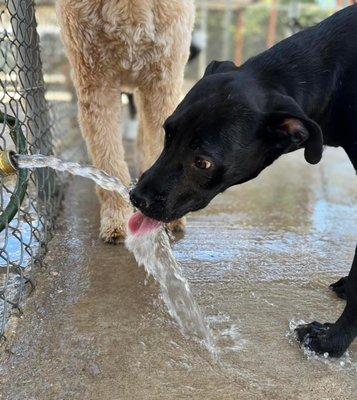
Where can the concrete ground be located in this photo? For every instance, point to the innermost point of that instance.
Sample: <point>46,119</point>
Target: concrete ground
<point>260,256</point>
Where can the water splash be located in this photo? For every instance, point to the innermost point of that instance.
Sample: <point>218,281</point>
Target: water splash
<point>344,363</point>
<point>153,251</point>
<point>227,335</point>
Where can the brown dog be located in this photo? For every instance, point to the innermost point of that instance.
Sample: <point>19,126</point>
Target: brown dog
<point>125,45</point>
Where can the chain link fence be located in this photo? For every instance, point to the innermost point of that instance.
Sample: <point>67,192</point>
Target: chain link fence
<point>29,200</point>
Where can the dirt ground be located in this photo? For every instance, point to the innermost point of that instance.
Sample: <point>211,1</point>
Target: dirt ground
<point>260,256</point>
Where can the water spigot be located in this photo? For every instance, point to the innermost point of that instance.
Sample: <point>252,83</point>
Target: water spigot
<point>8,165</point>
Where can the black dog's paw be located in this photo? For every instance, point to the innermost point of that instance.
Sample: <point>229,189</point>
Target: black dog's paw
<point>339,288</point>
<point>322,338</point>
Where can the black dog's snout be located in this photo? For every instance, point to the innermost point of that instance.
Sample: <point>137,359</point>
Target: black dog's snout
<point>139,200</point>
<point>143,200</point>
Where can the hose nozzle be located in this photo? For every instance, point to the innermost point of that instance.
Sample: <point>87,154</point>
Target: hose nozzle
<point>7,162</point>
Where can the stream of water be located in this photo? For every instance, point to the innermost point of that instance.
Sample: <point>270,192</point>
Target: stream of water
<point>152,250</point>
<point>101,178</point>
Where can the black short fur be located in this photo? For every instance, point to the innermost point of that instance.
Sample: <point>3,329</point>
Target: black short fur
<point>301,93</point>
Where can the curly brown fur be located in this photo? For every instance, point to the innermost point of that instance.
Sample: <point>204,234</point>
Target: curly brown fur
<point>131,45</point>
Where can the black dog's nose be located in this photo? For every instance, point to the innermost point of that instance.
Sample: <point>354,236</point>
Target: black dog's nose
<point>144,199</point>
<point>139,200</point>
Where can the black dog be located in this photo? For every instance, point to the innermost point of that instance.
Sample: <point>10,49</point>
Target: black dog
<point>302,93</point>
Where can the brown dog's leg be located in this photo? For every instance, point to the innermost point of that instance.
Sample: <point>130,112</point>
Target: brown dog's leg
<point>99,104</point>
<point>156,102</point>
<point>99,116</point>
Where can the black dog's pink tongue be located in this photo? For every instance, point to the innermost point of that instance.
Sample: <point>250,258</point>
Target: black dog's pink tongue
<point>140,224</point>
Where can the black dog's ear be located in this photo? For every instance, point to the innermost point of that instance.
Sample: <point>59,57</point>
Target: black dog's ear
<point>217,67</point>
<point>293,129</point>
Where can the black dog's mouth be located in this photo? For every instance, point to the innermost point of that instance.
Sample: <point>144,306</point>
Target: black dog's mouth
<point>172,216</point>
<point>166,208</point>
<point>162,217</point>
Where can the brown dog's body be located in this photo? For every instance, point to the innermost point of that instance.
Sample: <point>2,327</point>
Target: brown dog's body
<point>131,45</point>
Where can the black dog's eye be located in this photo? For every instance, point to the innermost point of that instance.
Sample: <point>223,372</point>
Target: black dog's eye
<point>202,163</point>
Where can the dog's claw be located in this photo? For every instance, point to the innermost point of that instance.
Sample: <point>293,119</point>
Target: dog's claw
<point>113,230</point>
<point>114,237</point>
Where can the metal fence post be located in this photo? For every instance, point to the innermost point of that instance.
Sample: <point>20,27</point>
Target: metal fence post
<point>24,27</point>
<point>32,200</point>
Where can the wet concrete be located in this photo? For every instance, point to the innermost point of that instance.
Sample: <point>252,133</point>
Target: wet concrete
<point>261,255</point>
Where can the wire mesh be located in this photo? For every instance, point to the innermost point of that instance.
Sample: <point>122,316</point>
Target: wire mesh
<point>22,100</point>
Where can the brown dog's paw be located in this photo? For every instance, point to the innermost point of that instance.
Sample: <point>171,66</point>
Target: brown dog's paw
<point>178,226</point>
<point>112,235</point>
<point>113,224</point>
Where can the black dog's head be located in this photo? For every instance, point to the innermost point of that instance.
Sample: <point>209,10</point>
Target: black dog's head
<point>225,132</point>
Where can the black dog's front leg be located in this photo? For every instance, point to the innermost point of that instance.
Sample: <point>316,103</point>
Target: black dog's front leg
<point>334,339</point>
